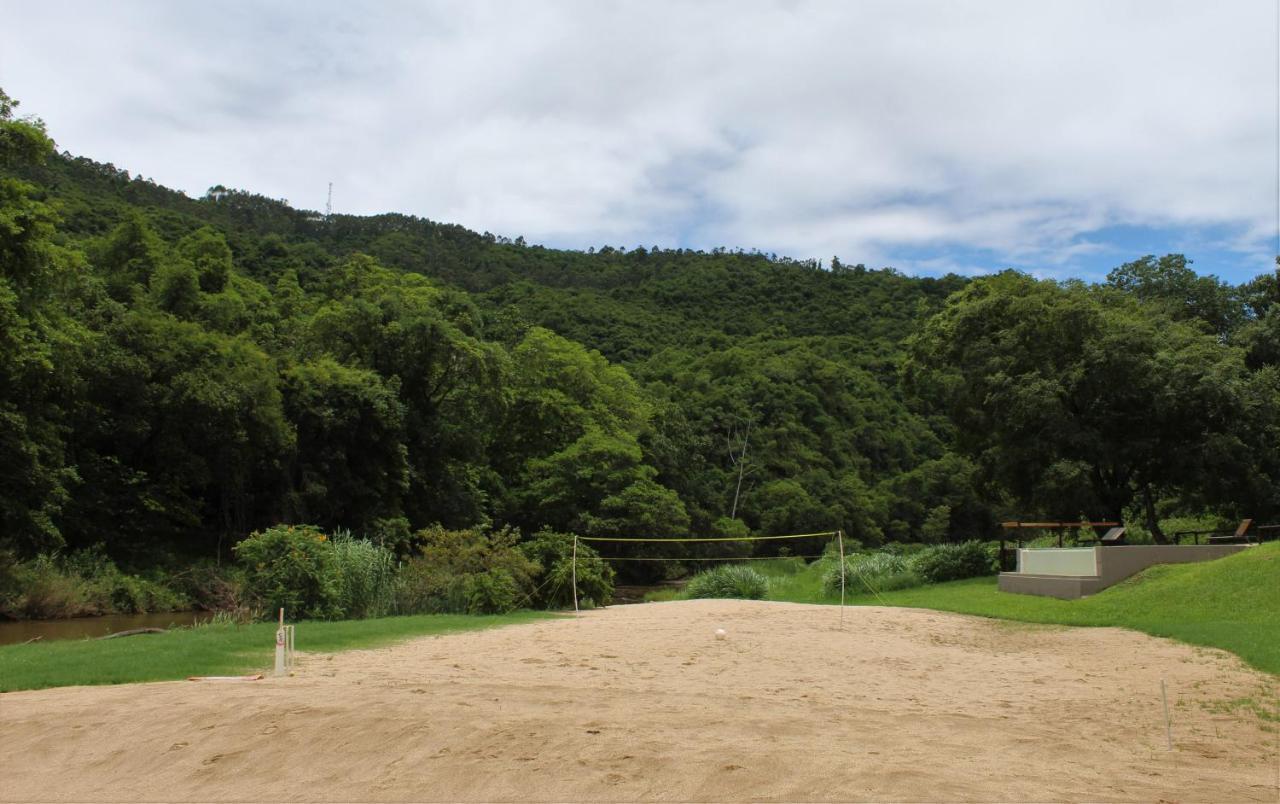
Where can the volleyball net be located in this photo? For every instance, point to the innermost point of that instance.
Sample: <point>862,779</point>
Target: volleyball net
<point>836,538</point>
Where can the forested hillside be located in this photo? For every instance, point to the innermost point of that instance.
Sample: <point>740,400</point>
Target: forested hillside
<point>176,373</point>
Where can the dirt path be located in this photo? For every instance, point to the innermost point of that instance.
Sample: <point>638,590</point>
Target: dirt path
<point>643,703</point>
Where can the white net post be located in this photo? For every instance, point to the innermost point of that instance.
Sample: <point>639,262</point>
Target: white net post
<point>840,541</point>
<point>575,573</point>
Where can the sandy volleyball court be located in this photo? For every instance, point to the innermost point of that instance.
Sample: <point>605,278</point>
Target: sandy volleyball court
<point>642,703</point>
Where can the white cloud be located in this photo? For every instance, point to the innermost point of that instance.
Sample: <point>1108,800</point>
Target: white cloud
<point>808,128</point>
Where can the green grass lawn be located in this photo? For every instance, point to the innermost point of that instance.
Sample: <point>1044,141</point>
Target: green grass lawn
<point>212,650</point>
<point>1232,603</point>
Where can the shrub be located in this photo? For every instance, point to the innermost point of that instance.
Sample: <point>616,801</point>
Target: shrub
<point>44,590</point>
<point>553,552</point>
<point>133,594</point>
<point>733,580</point>
<point>114,591</point>
<point>214,587</point>
<point>951,562</point>
<point>9,588</point>
<point>292,567</point>
<point>730,528</point>
<point>474,571</point>
<point>392,533</point>
<point>881,571</point>
<point>366,575</point>
<point>82,584</point>
<point>424,589</point>
<point>490,592</point>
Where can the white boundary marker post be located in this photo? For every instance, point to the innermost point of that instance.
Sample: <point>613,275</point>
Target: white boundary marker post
<point>280,646</point>
<point>575,573</point>
<point>840,540</point>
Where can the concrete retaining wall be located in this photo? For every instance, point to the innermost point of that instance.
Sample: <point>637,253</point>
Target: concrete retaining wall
<point>1119,562</point>
<point>1114,564</point>
<point>1054,561</point>
<point>1059,586</point>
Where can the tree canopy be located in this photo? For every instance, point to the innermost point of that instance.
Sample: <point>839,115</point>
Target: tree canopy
<point>176,372</point>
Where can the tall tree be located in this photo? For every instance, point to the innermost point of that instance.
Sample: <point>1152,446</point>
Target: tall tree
<point>1077,403</point>
<point>40,341</point>
<point>1170,284</point>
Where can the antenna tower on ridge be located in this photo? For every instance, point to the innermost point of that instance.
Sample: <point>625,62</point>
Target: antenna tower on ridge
<point>328,205</point>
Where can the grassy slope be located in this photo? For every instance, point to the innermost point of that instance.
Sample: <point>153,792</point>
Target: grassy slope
<point>1232,603</point>
<point>211,650</point>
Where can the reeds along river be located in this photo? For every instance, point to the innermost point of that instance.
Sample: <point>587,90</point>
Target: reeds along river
<point>16,632</point>
<point>19,631</point>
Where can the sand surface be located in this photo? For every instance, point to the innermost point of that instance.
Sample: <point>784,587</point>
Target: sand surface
<point>643,703</point>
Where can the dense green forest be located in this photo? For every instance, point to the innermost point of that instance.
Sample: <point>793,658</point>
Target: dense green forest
<point>176,373</point>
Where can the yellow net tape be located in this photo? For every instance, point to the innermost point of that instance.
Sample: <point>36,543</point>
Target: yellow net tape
<point>707,538</point>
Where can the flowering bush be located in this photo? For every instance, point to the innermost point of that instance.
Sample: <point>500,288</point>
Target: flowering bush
<point>292,567</point>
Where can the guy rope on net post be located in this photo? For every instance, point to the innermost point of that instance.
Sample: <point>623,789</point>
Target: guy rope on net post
<point>575,573</point>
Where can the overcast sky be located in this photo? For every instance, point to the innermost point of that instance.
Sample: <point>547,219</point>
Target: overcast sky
<point>1059,137</point>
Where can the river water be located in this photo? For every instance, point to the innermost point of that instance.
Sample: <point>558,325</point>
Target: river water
<point>20,631</point>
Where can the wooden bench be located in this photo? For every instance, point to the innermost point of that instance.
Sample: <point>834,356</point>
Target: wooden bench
<point>1240,533</point>
<point>1212,536</point>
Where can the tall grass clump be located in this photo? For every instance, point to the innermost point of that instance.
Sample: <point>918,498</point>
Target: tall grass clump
<point>734,580</point>
<point>881,571</point>
<point>366,576</point>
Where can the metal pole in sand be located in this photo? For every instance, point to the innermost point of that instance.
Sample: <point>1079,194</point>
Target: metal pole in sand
<point>840,539</point>
<point>575,573</point>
